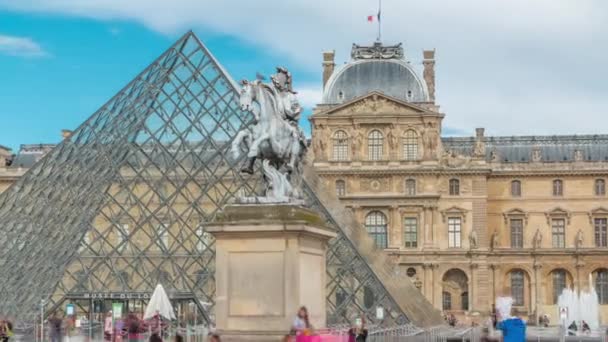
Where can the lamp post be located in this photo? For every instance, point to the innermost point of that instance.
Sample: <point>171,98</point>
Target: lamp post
<point>42,304</point>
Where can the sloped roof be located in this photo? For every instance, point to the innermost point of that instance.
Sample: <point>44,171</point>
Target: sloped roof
<point>555,148</point>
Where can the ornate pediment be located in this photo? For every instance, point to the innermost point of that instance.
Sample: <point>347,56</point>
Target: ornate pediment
<point>454,211</point>
<point>515,213</point>
<point>557,212</point>
<point>597,212</point>
<point>376,103</point>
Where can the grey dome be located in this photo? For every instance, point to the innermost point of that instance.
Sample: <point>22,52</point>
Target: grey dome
<point>393,77</point>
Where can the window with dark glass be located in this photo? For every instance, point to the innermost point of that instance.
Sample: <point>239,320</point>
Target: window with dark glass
<point>454,229</point>
<point>340,188</point>
<point>517,233</point>
<point>340,146</point>
<point>454,187</point>
<point>517,287</point>
<point>375,223</point>
<point>601,232</point>
<point>559,283</point>
<point>558,233</point>
<point>600,187</point>
<point>516,188</point>
<point>410,187</point>
<point>410,145</point>
<point>447,300</point>
<point>558,187</point>
<point>410,231</point>
<point>464,301</point>
<point>601,286</point>
<point>375,142</point>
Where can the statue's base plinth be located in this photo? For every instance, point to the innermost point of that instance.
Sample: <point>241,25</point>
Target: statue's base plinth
<point>270,260</point>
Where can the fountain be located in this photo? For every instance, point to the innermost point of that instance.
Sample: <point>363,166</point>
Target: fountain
<point>582,306</point>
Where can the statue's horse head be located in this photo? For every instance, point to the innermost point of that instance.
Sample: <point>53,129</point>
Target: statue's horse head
<point>247,95</point>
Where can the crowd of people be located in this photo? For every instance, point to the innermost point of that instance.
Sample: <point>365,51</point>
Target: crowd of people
<point>302,328</point>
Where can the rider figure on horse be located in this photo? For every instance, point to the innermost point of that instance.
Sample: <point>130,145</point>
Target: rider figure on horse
<point>287,103</point>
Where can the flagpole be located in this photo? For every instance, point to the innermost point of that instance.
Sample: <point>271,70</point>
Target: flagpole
<point>379,21</point>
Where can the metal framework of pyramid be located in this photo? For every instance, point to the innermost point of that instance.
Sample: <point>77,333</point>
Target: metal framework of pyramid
<point>122,204</point>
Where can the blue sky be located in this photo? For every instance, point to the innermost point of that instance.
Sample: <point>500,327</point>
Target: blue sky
<point>84,62</point>
<point>515,67</point>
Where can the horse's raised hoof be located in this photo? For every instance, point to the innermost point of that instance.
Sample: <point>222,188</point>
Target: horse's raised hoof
<point>247,169</point>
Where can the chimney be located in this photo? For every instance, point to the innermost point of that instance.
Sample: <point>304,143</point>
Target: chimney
<point>328,65</point>
<point>429,72</point>
<point>66,134</point>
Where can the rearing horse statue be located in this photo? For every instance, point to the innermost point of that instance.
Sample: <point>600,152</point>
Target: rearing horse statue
<point>271,138</point>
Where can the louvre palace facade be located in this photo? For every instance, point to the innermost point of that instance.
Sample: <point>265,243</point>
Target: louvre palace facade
<point>425,223</point>
<point>465,218</point>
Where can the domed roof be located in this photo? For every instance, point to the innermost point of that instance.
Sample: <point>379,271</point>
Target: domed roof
<point>369,71</point>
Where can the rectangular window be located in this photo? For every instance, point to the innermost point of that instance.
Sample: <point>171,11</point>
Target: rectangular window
<point>201,239</point>
<point>163,236</point>
<point>559,284</point>
<point>601,232</point>
<point>558,233</point>
<point>410,229</point>
<point>454,232</point>
<point>123,235</point>
<point>517,288</point>
<point>517,233</point>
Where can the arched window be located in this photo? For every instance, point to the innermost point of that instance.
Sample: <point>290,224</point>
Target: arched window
<point>464,301</point>
<point>454,187</point>
<point>375,223</point>
<point>447,300</point>
<point>340,188</point>
<point>410,232</point>
<point>600,187</point>
<point>516,188</point>
<point>517,287</point>
<point>559,283</point>
<point>340,145</point>
<point>410,187</point>
<point>601,285</point>
<point>375,141</point>
<point>558,187</point>
<point>410,145</point>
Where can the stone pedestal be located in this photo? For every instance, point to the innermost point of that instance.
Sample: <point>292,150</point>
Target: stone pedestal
<point>270,260</point>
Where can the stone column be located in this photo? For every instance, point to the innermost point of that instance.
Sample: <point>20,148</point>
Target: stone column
<point>428,227</point>
<point>537,290</point>
<point>436,286</point>
<point>473,287</point>
<point>395,234</point>
<point>270,260</point>
<point>493,268</point>
<point>427,287</point>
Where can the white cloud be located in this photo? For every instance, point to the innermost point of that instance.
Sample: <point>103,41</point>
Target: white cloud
<point>513,66</point>
<point>20,46</point>
<point>309,95</point>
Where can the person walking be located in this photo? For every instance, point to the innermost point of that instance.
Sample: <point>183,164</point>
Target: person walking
<point>301,324</point>
<point>55,328</point>
<point>358,333</point>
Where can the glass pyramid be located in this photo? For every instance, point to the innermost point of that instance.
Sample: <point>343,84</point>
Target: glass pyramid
<point>122,204</point>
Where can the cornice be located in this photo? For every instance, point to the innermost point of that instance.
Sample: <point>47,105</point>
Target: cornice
<point>410,172</point>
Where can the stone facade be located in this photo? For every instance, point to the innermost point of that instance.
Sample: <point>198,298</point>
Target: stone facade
<point>468,219</point>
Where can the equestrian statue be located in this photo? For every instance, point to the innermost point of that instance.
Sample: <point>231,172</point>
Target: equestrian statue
<point>274,137</point>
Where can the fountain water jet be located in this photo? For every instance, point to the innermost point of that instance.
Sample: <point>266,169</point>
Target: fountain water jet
<point>583,306</point>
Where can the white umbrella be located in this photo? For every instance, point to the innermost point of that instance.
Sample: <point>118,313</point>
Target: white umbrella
<point>159,302</point>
